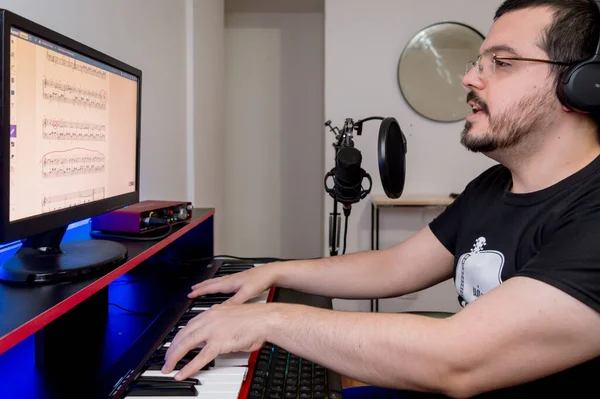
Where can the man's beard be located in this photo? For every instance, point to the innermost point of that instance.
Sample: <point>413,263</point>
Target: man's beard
<point>510,127</point>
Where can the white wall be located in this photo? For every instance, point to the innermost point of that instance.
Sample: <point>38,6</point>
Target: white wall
<point>148,34</point>
<point>206,102</point>
<point>273,129</point>
<point>363,42</point>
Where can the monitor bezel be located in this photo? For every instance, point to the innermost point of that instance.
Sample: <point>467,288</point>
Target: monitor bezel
<point>23,228</point>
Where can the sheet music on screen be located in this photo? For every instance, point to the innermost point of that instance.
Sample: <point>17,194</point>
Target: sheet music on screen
<point>72,128</point>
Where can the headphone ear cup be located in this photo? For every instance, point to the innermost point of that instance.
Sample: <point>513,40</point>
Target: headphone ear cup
<point>562,88</point>
<point>579,88</point>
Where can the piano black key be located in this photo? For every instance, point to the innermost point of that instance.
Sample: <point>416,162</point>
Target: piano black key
<point>232,270</point>
<point>232,266</point>
<point>163,386</point>
<point>187,317</point>
<point>157,363</point>
<point>183,390</point>
<point>218,295</point>
<point>163,351</point>
<point>167,380</point>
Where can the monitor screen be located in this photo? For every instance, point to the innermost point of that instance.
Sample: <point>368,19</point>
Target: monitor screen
<point>73,128</point>
<point>70,144</point>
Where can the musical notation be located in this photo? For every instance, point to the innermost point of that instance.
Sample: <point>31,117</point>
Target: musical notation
<point>69,94</point>
<point>58,129</point>
<point>61,201</point>
<point>73,64</point>
<point>60,164</point>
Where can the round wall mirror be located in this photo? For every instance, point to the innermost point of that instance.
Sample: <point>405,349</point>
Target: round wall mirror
<point>431,69</point>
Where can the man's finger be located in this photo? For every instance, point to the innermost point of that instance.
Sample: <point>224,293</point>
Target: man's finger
<point>207,282</point>
<point>238,299</point>
<point>177,351</point>
<point>213,288</point>
<point>206,355</point>
<point>189,329</point>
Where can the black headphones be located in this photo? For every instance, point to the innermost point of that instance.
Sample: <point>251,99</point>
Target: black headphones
<point>579,87</point>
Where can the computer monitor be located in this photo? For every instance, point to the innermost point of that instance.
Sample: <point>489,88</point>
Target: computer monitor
<point>69,149</point>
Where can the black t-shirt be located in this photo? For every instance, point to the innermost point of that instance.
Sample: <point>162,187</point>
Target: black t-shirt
<point>552,235</point>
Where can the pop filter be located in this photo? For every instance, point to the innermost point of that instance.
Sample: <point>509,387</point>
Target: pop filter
<point>392,157</point>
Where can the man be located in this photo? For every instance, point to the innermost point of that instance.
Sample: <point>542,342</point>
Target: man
<point>522,243</point>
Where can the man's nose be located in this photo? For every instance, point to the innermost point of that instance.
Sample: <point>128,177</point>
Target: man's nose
<point>472,81</point>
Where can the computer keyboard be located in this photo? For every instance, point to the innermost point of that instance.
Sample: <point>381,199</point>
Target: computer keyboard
<point>280,374</point>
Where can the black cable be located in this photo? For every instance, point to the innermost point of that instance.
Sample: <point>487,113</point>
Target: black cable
<point>133,311</point>
<point>191,261</point>
<point>98,234</point>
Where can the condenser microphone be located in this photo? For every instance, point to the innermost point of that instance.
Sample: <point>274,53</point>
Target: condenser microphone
<point>348,177</point>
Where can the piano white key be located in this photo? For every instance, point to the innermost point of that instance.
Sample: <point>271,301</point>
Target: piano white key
<point>223,395</point>
<point>216,387</point>
<point>262,298</point>
<point>215,383</point>
<point>167,344</point>
<point>232,375</point>
<point>200,308</point>
<point>232,359</point>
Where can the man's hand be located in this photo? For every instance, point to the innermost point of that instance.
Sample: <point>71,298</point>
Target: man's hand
<point>246,285</point>
<point>223,329</point>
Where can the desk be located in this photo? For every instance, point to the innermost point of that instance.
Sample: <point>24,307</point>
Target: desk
<point>408,201</point>
<point>27,309</point>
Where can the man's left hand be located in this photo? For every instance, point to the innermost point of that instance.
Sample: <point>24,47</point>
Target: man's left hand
<point>222,329</point>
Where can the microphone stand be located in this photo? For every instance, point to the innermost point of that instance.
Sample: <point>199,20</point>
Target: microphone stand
<point>335,219</point>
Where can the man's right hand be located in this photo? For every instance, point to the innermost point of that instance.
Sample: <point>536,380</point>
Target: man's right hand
<point>246,285</point>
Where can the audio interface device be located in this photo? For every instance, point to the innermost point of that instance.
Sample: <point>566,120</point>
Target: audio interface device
<point>143,217</point>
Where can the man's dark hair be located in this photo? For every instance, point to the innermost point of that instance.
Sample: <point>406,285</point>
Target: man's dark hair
<point>572,36</point>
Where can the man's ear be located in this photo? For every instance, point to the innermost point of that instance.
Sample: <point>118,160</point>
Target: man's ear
<point>567,109</point>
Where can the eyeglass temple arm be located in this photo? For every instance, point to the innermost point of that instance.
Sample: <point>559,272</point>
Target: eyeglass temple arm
<point>534,60</point>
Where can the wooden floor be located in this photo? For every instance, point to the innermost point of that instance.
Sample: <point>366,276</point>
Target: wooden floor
<point>349,383</point>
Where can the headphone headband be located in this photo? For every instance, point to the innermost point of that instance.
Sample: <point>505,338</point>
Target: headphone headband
<point>597,6</point>
<point>579,87</point>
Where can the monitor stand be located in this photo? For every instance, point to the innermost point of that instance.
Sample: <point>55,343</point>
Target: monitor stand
<point>43,259</point>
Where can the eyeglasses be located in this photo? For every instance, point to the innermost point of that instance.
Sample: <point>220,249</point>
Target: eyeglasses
<point>488,63</point>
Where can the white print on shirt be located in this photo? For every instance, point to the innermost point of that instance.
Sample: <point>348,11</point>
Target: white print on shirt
<point>478,272</point>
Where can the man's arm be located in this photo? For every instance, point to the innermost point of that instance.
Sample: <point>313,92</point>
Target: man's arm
<point>417,263</point>
<point>521,331</point>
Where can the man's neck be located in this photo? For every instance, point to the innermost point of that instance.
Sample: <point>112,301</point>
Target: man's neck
<point>556,156</point>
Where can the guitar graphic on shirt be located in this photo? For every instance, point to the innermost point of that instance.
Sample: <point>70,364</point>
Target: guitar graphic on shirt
<point>478,272</point>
